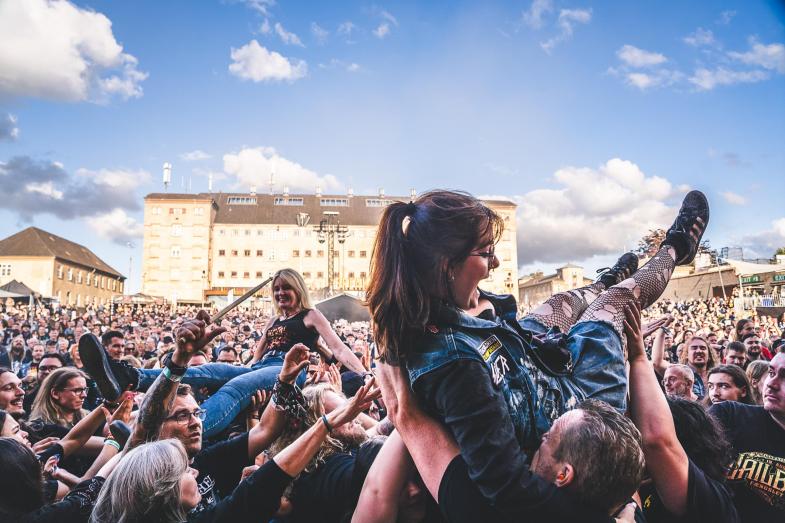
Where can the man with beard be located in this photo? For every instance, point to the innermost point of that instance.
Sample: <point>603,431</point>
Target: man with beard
<point>757,434</point>
<point>696,355</point>
<point>170,411</point>
<point>678,382</point>
<point>736,354</point>
<point>754,348</point>
<point>16,358</point>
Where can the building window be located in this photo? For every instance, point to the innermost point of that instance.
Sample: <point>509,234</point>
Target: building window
<point>258,274</point>
<point>362,275</point>
<point>221,232</point>
<point>259,252</point>
<point>320,275</point>
<point>60,272</point>
<point>295,253</point>
<point>363,254</point>
<point>336,254</point>
<point>221,252</point>
<point>182,211</point>
<point>156,211</point>
<point>234,252</point>
<point>351,275</point>
<point>350,254</point>
<point>247,232</point>
<point>220,274</point>
<point>307,275</point>
<point>241,200</point>
<point>171,210</point>
<point>234,274</point>
<point>246,275</point>
<point>5,270</point>
<point>96,281</point>
<point>175,251</point>
<point>247,252</point>
<point>79,276</point>
<point>70,274</point>
<point>308,253</point>
<point>88,280</point>
<point>199,211</point>
<point>283,200</point>
<point>377,202</point>
<point>259,232</point>
<point>177,229</point>
<point>334,202</point>
<point>320,254</point>
<point>235,232</point>
<point>114,285</point>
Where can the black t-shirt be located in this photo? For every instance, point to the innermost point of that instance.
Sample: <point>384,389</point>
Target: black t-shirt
<point>708,500</point>
<point>757,475</point>
<point>283,334</point>
<point>220,467</point>
<point>326,493</point>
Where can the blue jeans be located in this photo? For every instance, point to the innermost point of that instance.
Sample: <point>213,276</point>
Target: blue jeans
<point>232,388</point>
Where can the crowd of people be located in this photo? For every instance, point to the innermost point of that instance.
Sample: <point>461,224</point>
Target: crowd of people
<point>600,404</point>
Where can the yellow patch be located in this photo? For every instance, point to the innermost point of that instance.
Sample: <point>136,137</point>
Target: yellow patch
<point>488,347</point>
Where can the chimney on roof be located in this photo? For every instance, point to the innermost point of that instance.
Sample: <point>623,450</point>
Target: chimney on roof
<point>318,191</point>
<point>253,190</point>
<point>381,192</point>
<point>412,193</point>
<point>350,192</point>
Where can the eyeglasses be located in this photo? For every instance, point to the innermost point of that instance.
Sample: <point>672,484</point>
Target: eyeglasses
<point>48,368</point>
<point>488,255</point>
<point>184,416</point>
<point>77,390</point>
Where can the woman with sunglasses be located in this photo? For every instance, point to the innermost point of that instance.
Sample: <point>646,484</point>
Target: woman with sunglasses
<point>496,382</point>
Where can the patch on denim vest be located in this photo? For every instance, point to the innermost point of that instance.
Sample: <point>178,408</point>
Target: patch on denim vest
<point>496,356</point>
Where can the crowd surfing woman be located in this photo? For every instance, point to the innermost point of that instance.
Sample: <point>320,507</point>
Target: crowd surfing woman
<point>499,383</point>
<point>295,322</point>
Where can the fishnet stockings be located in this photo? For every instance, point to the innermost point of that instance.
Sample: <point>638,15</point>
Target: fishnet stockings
<point>646,285</point>
<point>562,310</point>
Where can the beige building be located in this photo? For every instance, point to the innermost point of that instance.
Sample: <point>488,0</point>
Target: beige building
<point>58,268</point>
<point>201,245</point>
<point>536,288</point>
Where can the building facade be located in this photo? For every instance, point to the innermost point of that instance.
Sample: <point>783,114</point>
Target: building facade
<point>197,246</point>
<point>58,268</point>
<point>536,288</point>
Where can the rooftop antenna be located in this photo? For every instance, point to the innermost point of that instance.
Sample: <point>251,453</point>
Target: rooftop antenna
<point>381,192</point>
<point>350,192</point>
<point>167,175</point>
<point>318,191</point>
<point>286,191</point>
<point>210,182</point>
<point>413,193</point>
<point>253,190</point>
<point>272,182</point>
<point>189,184</point>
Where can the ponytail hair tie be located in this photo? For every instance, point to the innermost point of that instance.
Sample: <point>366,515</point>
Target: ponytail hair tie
<point>411,208</point>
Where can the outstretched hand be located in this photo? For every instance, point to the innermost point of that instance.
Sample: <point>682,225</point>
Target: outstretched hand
<point>294,362</point>
<point>652,326</point>
<point>357,404</point>
<point>193,335</point>
<point>632,329</point>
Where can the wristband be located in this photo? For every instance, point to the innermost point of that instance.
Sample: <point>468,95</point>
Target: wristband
<point>327,424</point>
<point>112,443</point>
<point>174,369</point>
<point>168,374</point>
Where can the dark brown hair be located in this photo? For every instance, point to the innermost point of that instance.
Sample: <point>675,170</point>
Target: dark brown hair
<point>409,268</point>
<point>738,377</point>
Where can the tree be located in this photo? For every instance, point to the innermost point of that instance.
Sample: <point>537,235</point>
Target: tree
<point>650,244</point>
<point>780,251</point>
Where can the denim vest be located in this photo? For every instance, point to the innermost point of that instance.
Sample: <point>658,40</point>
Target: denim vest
<point>534,397</point>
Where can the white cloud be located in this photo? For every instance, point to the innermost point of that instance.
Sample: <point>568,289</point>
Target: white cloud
<point>700,38</point>
<point>195,156</point>
<point>707,79</point>
<point>567,20</point>
<point>45,189</point>
<point>58,51</point>
<point>334,63</point>
<point>319,33</point>
<point>8,129</point>
<point>771,56</point>
<point>116,179</point>
<point>265,28</point>
<point>764,244</point>
<point>389,17</point>
<point>252,167</point>
<point>593,212</point>
<point>260,6</point>
<point>254,62</point>
<point>533,17</point>
<point>382,31</point>
<point>635,57</point>
<point>116,226</point>
<point>287,37</point>
<point>733,198</point>
<point>346,28</point>
<point>726,17</point>
<point>658,78</point>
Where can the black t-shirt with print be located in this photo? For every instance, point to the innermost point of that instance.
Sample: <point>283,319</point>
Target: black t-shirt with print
<point>220,467</point>
<point>757,475</point>
<point>708,500</point>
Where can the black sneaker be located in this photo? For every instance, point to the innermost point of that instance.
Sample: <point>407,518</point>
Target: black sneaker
<point>112,377</point>
<point>623,269</point>
<point>686,232</point>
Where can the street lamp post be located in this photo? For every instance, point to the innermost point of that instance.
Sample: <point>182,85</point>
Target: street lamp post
<point>327,230</point>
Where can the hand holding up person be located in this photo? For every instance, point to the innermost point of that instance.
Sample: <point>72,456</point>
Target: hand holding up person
<point>193,336</point>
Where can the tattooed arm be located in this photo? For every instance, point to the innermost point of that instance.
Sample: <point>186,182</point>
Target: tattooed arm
<point>191,337</point>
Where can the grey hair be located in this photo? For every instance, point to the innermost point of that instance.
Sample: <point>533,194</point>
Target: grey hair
<point>686,369</point>
<point>145,486</point>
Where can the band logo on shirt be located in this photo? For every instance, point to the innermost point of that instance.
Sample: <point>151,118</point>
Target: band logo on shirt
<point>764,475</point>
<point>493,353</point>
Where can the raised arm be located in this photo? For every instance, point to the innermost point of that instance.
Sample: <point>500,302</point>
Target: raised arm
<point>658,352</point>
<point>666,460</point>
<point>261,345</point>
<point>274,418</point>
<point>315,319</point>
<point>381,491</point>
<point>191,336</point>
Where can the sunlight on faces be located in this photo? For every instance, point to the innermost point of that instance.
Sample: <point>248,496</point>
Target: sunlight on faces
<point>11,394</point>
<point>721,388</point>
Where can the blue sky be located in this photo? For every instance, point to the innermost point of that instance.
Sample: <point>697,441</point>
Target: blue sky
<point>594,117</point>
